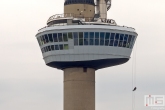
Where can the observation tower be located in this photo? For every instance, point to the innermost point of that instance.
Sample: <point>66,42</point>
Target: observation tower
<point>81,41</point>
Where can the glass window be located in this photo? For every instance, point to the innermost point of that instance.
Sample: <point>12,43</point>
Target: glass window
<point>55,37</point>
<point>112,39</point>
<point>91,38</point>
<point>112,36</point>
<point>66,47</point>
<point>129,41</point>
<point>97,38</point>
<point>65,37</point>
<point>86,38</point>
<point>60,37</point>
<point>121,40</point>
<point>102,36</point>
<point>61,46</point>
<point>97,35</point>
<point>107,36</point>
<point>116,40</point>
<point>70,35</point>
<point>50,38</point>
<point>126,37</point>
<point>46,38</point>
<point>125,40</point>
<point>56,47</point>
<point>80,38</point>
<point>52,47</point>
<point>49,48</point>
<point>75,35</point>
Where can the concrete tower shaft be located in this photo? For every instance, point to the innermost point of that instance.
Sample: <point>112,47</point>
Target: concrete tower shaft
<point>79,89</point>
<point>80,8</point>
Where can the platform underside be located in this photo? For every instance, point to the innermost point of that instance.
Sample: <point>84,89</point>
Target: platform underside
<point>95,64</point>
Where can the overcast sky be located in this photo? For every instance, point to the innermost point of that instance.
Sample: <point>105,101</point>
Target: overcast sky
<point>26,83</point>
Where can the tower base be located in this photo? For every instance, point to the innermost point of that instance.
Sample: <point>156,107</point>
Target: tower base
<point>79,89</point>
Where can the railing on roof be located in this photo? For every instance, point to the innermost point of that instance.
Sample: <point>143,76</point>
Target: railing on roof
<point>52,18</point>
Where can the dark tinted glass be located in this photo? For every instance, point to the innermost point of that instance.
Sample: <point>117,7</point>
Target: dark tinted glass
<point>107,35</point>
<point>55,37</point>
<point>50,38</point>
<point>117,36</point>
<point>65,37</point>
<point>46,38</point>
<point>91,35</point>
<point>61,46</point>
<point>96,35</point>
<point>56,47</point>
<point>86,35</point>
<point>60,37</point>
<point>52,47</point>
<point>70,35</point>
<point>112,35</point>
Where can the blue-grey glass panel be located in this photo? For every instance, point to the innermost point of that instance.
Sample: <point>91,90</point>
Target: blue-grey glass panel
<point>91,35</point>
<point>116,43</point>
<point>80,35</point>
<point>117,36</point>
<point>52,47</point>
<point>55,37</point>
<point>75,34</point>
<point>49,48</point>
<point>56,47</point>
<point>120,43</point>
<point>60,37</point>
<point>50,38</point>
<point>107,42</point>
<point>70,35</point>
<point>126,37</point>
<point>86,35</point>
<point>61,46</point>
<point>102,37</point>
<point>124,43</point>
<point>112,36</point>
<point>65,37</point>
<point>86,41</point>
<point>46,38</point>
<point>96,41</point>
<point>111,43</point>
<point>91,41</point>
<point>121,37</point>
<point>80,41</point>
<point>96,35</point>
<point>107,35</point>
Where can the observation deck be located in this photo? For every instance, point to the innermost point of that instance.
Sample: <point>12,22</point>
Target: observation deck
<point>70,41</point>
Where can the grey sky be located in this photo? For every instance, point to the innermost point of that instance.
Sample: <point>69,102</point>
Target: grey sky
<point>26,83</point>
